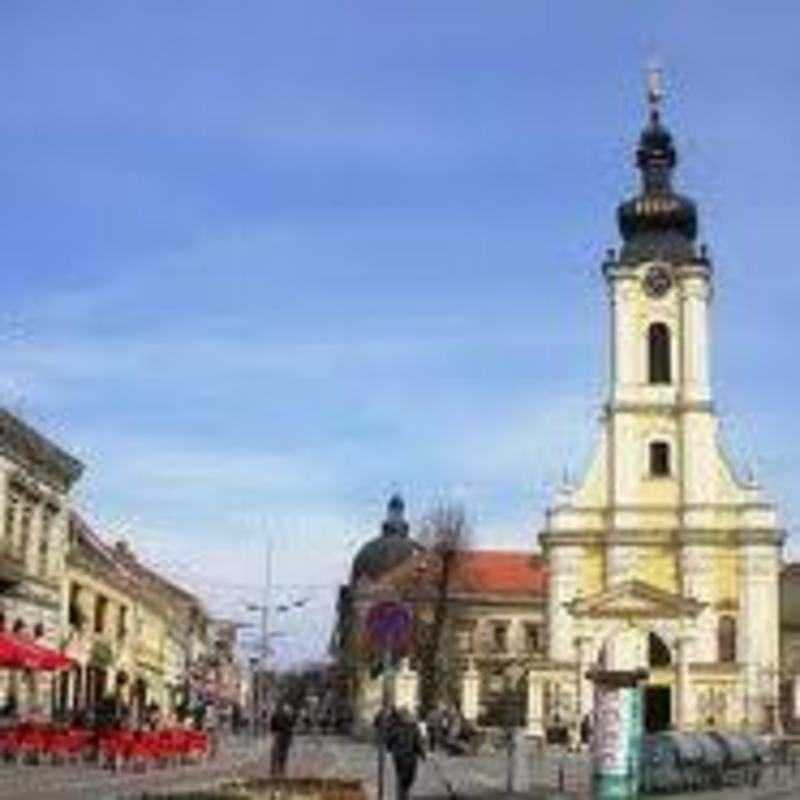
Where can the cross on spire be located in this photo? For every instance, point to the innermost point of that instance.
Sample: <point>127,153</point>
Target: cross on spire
<point>655,88</point>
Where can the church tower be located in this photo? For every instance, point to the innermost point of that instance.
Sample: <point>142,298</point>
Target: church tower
<point>663,557</point>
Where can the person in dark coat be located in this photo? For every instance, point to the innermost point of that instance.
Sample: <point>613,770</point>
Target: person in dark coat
<point>404,742</point>
<point>383,722</point>
<point>434,723</point>
<point>282,728</point>
<point>586,729</point>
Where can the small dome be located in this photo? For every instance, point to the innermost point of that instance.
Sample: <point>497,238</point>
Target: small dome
<point>655,143</point>
<point>381,555</point>
<point>387,551</point>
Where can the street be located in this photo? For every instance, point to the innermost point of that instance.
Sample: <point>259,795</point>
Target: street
<point>331,757</point>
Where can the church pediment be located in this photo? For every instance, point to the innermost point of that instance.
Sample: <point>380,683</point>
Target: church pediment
<point>635,599</point>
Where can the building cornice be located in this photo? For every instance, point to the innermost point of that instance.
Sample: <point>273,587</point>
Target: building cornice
<point>534,598</point>
<point>680,508</point>
<point>37,455</point>
<point>665,408</point>
<point>650,537</point>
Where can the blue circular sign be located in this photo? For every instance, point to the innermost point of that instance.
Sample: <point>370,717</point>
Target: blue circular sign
<point>389,625</point>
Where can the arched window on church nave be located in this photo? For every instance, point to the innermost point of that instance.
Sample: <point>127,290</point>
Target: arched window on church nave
<point>659,355</point>
<point>726,639</point>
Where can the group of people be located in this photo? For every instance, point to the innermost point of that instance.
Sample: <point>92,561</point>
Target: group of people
<point>445,729</point>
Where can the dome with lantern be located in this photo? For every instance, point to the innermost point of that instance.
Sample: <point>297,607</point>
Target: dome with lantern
<point>388,550</point>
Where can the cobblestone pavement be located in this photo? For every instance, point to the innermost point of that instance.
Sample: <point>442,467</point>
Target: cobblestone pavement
<point>484,777</point>
<point>473,778</point>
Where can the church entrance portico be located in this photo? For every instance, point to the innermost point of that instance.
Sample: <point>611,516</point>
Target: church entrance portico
<point>635,626</point>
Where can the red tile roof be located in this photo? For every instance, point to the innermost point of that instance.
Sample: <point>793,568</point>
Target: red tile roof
<point>499,572</point>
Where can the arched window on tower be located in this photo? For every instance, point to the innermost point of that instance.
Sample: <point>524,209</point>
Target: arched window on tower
<point>726,639</point>
<point>659,355</point>
<point>659,460</point>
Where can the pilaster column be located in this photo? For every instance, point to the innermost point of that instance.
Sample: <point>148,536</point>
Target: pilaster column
<point>683,701</point>
<point>796,697</point>
<point>470,690</point>
<point>535,721</point>
<point>37,532</point>
<point>565,576</point>
<point>624,362</point>
<point>695,295</point>
<point>583,687</point>
<point>406,687</point>
<point>16,522</point>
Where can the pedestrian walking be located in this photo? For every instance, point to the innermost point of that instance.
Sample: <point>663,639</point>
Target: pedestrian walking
<point>282,728</point>
<point>434,728</point>
<point>423,732</point>
<point>405,744</point>
<point>383,723</point>
<point>211,728</point>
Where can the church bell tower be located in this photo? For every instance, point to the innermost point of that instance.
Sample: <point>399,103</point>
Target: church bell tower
<point>661,540</point>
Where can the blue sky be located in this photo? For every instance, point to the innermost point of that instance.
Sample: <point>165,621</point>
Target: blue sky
<point>264,263</point>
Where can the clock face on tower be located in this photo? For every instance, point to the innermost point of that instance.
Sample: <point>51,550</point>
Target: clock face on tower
<point>658,281</point>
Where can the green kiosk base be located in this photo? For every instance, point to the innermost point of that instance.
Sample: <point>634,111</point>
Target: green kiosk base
<point>617,733</point>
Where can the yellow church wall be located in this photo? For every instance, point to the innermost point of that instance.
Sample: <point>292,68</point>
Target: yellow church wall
<point>592,570</point>
<point>659,491</point>
<point>658,567</point>
<point>593,492</point>
<point>726,575</point>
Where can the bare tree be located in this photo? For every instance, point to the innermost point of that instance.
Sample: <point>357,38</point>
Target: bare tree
<point>445,533</point>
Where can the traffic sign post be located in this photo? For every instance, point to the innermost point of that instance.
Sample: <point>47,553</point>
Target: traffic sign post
<point>388,629</point>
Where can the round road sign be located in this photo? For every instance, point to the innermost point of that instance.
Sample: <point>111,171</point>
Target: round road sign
<point>389,625</point>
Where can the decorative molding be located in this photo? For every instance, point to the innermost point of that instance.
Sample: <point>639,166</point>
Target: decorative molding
<point>663,408</point>
<point>650,537</point>
<point>36,454</point>
<point>635,599</point>
<point>750,505</point>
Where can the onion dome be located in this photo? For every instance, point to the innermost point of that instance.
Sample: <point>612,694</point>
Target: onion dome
<point>657,224</point>
<point>387,551</point>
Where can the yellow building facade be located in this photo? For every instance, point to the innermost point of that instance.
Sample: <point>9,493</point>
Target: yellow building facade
<point>98,611</point>
<point>662,558</point>
<point>131,633</point>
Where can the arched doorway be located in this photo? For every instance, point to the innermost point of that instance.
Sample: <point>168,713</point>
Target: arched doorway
<point>657,696</point>
<point>632,648</point>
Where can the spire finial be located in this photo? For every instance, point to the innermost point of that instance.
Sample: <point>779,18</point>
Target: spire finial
<point>655,88</point>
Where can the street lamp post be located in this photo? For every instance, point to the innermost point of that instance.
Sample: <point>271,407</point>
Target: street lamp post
<point>253,695</point>
<point>261,694</point>
<point>262,660</point>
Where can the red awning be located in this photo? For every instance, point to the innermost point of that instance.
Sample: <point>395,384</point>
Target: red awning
<point>17,652</point>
